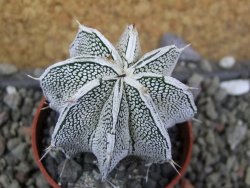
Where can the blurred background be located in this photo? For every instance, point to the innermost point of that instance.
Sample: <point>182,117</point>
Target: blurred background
<point>38,33</point>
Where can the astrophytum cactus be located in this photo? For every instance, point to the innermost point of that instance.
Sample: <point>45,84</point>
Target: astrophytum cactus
<point>114,103</point>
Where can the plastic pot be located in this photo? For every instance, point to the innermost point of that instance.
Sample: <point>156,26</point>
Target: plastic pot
<point>37,126</point>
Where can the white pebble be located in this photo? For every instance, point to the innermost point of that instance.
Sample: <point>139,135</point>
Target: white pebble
<point>227,62</point>
<point>11,90</point>
<point>236,87</point>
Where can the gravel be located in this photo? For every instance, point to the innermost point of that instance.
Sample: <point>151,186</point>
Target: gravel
<point>17,167</point>
<point>220,157</point>
<point>220,154</point>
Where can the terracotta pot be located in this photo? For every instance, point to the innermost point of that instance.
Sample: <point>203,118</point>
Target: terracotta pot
<point>37,126</point>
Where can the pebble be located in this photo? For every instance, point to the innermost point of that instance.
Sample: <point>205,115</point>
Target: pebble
<point>86,180</point>
<point>236,134</point>
<point>149,184</point>
<point>230,162</point>
<point>21,177</point>
<point>24,167</point>
<point>7,69</point>
<point>4,117</point>
<point>20,151</point>
<point>2,145</point>
<point>220,95</point>
<point>195,80</point>
<point>205,65</point>
<point>210,110</point>
<point>14,184</point>
<point>214,177</point>
<point>68,175</point>
<point>40,181</point>
<point>2,164</point>
<point>210,138</point>
<point>247,177</point>
<point>213,86</point>
<point>4,180</point>
<point>236,87</point>
<point>227,62</point>
<point>12,99</point>
<point>15,115</point>
<point>133,184</point>
<point>10,159</point>
<point>27,107</point>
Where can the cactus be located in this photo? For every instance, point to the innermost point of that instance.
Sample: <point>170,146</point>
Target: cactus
<point>113,102</point>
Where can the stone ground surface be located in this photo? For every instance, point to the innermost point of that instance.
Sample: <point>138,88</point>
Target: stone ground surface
<point>221,150</point>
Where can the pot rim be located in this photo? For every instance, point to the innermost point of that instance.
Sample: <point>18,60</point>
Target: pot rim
<point>54,184</point>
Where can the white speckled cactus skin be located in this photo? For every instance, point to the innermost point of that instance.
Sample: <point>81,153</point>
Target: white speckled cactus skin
<point>114,103</point>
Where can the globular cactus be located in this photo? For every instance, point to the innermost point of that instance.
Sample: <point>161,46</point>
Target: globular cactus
<point>115,103</point>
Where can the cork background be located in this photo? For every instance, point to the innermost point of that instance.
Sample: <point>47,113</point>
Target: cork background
<point>35,33</point>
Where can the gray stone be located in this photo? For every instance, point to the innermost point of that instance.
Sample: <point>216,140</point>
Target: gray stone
<point>150,183</point>
<point>2,145</point>
<point>24,167</point>
<point>210,110</point>
<point>15,115</point>
<point>232,119</point>
<point>236,134</point>
<point>13,128</point>
<point>220,95</point>
<point>4,180</point>
<point>7,69</point>
<point>30,181</point>
<point>37,96</point>
<point>230,162</point>
<point>210,138</point>
<point>22,92</point>
<point>27,107</point>
<point>14,184</point>
<point>12,143</point>
<point>12,98</point>
<point>201,142</point>
<point>247,177</point>
<point>205,65</point>
<point>40,181</point>
<point>214,177</point>
<point>20,151</point>
<point>86,180</point>
<point>71,171</point>
<point>10,159</point>
<point>21,177</point>
<point>195,80</point>
<point>2,164</point>
<point>213,86</point>
<point>4,116</point>
<point>133,184</point>
<point>189,54</point>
